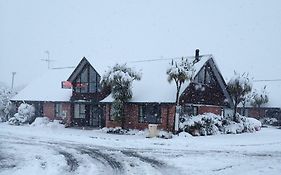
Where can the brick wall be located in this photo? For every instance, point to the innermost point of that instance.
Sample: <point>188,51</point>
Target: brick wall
<point>254,112</point>
<point>49,110</point>
<point>210,109</point>
<point>66,107</point>
<point>132,117</point>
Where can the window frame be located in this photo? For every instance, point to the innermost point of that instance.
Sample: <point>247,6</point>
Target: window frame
<point>145,110</point>
<point>110,112</point>
<point>91,82</point>
<point>83,116</point>
<point>58,110</point>
<point>193,109</point>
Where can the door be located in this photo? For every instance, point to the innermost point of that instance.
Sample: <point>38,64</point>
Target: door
<point>96,116</point>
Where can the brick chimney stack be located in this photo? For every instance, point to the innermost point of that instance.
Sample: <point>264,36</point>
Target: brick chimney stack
<point>197,56</point>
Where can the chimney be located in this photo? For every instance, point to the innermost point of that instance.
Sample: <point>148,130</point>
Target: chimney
<point>197,57</point>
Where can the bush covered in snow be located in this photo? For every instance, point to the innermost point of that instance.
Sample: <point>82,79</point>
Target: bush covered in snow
<point>24,115</point>
<point>270,121</point>
<point>5,104</point>
<point>211,124</point>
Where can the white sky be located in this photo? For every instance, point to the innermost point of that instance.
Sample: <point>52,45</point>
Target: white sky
<point>242,35</point>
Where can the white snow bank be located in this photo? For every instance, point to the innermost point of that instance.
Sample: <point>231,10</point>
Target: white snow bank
<point>185,135</point>
<point>45,122</point>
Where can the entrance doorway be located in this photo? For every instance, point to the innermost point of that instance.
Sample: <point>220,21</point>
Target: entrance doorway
<point>96,116</point>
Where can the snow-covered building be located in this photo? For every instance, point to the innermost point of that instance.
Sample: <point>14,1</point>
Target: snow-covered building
<point>154,97</point>
<point>77,104</point>
<point>86,103</point>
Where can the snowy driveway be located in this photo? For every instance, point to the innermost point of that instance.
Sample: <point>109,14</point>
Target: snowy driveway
<point>27,150</point>
<point>30,155</point>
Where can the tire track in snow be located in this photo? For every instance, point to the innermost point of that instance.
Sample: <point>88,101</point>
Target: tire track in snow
<point>162,167</point>
<point>6,161</point>
<point>70,160</point>
<point>105,159</point>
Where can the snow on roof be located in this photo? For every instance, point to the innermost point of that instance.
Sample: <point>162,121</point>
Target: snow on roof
<point>47,87</point>
<point>154,86</point>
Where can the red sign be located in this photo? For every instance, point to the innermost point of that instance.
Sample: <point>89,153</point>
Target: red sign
<point>66,84</point>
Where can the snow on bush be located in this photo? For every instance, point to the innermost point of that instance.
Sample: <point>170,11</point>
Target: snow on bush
<point>211,124</point>
<point>269,121</point>
<point>45,122</point>
<point>233,128</point>
<point>5,104</point>
<point>206,124</point>
<point>252,124</point>
<point>24,115</point>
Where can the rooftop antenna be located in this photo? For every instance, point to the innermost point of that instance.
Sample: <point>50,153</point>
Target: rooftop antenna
<point>48,60</point>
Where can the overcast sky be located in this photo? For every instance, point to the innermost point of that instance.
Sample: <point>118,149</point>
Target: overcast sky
<point>242,35</point>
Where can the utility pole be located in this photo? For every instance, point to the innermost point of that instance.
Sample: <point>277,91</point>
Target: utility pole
<point>48,60</point>
<point>13,78</point>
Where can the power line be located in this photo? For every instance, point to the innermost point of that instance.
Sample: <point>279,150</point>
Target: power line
<point>267,80</point>
<point>148,60</point>
<point>162,59</point>
<point>67,67</point>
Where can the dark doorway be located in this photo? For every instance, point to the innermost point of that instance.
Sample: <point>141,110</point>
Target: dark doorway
<point>95,118</point>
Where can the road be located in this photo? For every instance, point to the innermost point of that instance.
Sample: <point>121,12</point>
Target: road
<point>17,155</point>
<point>23,150</point>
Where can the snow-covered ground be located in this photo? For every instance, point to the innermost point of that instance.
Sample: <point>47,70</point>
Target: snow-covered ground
<point>56,150</point>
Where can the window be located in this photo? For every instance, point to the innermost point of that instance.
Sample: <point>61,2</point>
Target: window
<point>111,112</point>
<point>79,111</point>
<point>150,113</point>
<point>204,76</point>
<point>201,75</point>
<point>189,110</point>
<point>58,110</point>
<point>84,81</point>
<point>87,81</point>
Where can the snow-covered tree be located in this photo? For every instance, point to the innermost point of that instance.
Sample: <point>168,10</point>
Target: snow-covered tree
<point>239,87</point>
<point>259,98</point>
<point>120,78</point>
<point>5,104</point>
<point>246,100</point>
<point>24,115</point>
<point>180,72</point>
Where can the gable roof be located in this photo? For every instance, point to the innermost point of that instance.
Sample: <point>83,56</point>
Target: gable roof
<point>221,81</point>
<point>154,86</point>
<point>211,95</point>
<point>79,68</point>
<point>47,87</point>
